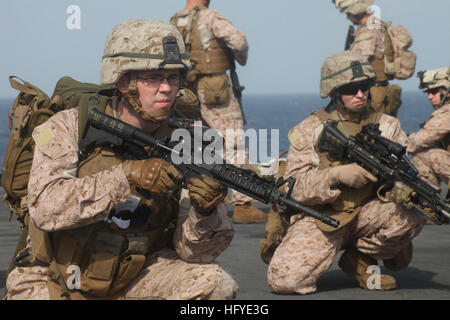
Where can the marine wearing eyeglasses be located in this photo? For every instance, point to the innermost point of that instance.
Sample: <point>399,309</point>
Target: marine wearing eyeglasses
<point>158,243</point>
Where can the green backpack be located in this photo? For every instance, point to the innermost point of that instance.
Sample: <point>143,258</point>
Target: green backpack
<point>31,108</point>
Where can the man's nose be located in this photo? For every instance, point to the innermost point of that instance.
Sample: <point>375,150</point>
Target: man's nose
<point>165,86</point>
<point>360,93</point>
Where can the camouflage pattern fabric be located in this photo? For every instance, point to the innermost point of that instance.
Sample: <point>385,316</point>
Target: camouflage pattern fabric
<point>312,186</point>
<point>164,277</point>
<point>127,50</point>
<point>354,7</point>
<point>432,79</point>
<point>380,230</point>
<point>430,159</point>
<point>368,40</point>
<point>337,71</point>
<point>58,200</point>
<point>214,25</point>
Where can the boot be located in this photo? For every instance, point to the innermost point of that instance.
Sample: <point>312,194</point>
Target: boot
<point>246,213</point>
<point>401,260</point>
<point>356,264</point>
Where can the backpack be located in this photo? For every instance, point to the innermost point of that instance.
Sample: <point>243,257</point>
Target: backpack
<point>401,63</point>
<point>31,108</point>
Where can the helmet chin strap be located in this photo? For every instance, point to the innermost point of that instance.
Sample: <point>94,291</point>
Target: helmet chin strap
<point>444,96</point>
<point>133,99</point>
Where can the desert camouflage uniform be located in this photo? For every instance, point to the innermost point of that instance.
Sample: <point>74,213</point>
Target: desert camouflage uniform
<point>214,25</point>
<point>58,200</point>
<point>432,161</point>
<point>380,230</point>
<point>368,40</point>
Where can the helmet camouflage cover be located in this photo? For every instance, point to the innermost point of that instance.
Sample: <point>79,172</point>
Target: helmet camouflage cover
<point>432,79</point>
<point>344,68</point>
<point>142,44</point>
<point>353,7</point>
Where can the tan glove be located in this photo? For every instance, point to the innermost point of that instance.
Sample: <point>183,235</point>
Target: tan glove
<point>206,193</point>
<point>154,175</point>
<point>401,194</point>
<point>351,175</point>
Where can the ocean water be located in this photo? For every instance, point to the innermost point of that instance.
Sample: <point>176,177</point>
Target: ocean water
<point>282,112</point>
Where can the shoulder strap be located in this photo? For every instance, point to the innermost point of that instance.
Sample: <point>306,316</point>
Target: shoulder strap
<point>84,96</point>
<point>192,23</point>
<point>86,104</point>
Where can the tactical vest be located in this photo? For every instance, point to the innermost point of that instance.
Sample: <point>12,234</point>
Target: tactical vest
<point>213,60</point>
<point>108,257</point>
<point>351,200</point>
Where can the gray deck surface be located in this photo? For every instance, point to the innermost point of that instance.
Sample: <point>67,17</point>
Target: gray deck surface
<point>427,277</point>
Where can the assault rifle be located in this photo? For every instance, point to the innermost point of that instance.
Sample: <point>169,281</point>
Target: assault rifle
<point>350,37</point>
<point>102,129</point>
<point>235,84</point>
<point>387,160</point>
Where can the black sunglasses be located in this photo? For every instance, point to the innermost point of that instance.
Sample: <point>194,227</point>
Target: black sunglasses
<point>352,89</point>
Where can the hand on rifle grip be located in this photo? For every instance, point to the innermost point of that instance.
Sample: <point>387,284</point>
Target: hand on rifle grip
<point>154,175</point>
<point>351,175</point>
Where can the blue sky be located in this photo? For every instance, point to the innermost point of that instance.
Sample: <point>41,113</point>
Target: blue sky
<point>289,39</point>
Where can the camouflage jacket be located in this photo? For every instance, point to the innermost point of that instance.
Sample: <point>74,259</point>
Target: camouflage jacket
<point>312,186</point>
<point>59,200</point>
<point>214,25</point>
<point>435,129</point>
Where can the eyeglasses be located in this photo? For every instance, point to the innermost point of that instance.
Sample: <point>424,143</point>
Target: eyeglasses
<point>155,81</point>
<point>352,89</point>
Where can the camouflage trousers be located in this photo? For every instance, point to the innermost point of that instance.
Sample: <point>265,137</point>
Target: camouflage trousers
<point>222,118</point>
<point>380,230</point>
<point>164,277</point>
<point>433,166</point>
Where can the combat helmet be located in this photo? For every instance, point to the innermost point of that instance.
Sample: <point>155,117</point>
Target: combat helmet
<point>438,78</point>
<point>344,68</point>
<point>353,7</point>
<point>142,44</point>
<point>432,79</point>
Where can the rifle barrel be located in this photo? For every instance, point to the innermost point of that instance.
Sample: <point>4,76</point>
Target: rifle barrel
<point>310,212</point>
<point>233,177</point>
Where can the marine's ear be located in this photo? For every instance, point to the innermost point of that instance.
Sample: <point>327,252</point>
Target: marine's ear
<point>123,83</point>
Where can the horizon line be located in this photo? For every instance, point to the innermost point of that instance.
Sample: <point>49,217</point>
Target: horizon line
<point>255,94</point>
